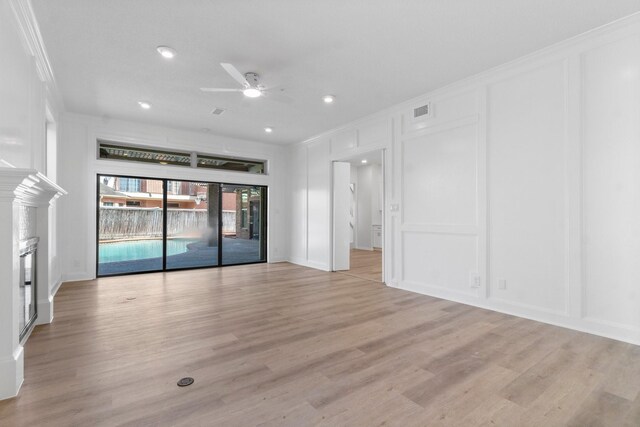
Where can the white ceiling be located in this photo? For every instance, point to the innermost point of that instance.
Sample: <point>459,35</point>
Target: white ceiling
<point>371,54</point>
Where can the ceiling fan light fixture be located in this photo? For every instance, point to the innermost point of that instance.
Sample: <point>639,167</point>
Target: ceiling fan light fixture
<point>166,52</point>
<point>252,92</point>
<point>328,99</point>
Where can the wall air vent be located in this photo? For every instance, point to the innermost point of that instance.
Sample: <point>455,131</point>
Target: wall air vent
<point>423,111</point>
<point>218,111</point>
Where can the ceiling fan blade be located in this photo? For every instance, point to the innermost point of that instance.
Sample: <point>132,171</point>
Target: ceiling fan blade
<point>219,89</point>
<point>278,96</point>
<point>233,72</point>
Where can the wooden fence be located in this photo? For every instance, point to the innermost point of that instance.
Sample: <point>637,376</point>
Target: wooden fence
<point>117,223</point>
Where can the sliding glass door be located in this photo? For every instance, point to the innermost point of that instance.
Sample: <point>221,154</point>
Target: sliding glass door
<point>243,234</point>
<point>147,224</point>
<point>130,225</point>
<point>192,224</point>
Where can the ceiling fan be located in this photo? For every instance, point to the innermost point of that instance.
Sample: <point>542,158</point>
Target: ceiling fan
<point>250,82</point>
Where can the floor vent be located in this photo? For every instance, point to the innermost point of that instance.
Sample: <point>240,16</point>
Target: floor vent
<point>185,381</point>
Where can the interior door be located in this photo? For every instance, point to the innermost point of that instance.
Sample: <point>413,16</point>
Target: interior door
<point>341,215</point>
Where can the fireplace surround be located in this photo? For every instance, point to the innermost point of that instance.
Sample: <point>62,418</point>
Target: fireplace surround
<point>25,268</point>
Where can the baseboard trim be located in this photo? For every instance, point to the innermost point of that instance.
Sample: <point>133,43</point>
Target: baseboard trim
<point>12,374</point>
<point>310,264</point>
<point>55,288</point>
<point>76,277</point>
<point>625,334</point>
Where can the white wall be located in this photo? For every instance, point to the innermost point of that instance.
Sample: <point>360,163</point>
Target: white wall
<point>22,100</point>
<point>318,202</point>
<point>363,208</point>
<point>27,90</point>
<point>525,176</point>
<point>367,204</point>
<point>79,166</point>
<point>376,194</point>
<point>354,203</point>
<point>611,186</point>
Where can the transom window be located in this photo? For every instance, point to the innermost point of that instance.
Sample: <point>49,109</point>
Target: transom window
<point>116,151</point>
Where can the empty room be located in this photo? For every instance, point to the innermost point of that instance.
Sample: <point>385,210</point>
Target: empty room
<point>332,213</point>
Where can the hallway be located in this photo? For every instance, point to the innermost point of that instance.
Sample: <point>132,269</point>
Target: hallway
<point>365,265</point>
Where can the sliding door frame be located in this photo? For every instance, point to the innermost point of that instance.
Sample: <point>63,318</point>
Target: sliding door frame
<point>263,228</point>
<point>164,225</point>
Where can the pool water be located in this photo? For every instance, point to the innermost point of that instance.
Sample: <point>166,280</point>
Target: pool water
<point>141,249</point>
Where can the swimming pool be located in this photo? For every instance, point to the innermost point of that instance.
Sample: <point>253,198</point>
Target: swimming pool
<point>132,250</point>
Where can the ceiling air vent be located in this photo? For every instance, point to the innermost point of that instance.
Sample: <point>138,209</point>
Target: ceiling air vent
<point>218,111</point>
<point>424,111</point>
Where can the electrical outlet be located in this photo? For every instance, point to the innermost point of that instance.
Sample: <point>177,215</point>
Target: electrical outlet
<point>502,284</point>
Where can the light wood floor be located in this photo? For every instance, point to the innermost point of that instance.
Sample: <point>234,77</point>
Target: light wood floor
<point>365,265</point>
<point>286,345</point>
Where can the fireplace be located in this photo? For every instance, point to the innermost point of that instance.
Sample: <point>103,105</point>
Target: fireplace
<point>26,283</point>
<point>27,287</point>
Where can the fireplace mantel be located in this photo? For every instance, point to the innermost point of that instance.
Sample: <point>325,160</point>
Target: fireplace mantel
<point>25,198</point>
<point>28,186</point>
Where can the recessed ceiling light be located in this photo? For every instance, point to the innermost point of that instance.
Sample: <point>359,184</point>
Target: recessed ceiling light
<point>268,130</point>
<point>166,52</point>
<point>252,92</point>
<point>328,99</point>
<point>144,105</point>
<point>364,161</point>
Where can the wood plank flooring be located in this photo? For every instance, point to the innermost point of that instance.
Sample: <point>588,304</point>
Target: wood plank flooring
<point>278,344</point>
<point>365,265</point>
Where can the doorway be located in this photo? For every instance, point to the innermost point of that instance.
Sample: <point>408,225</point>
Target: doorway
<point>358,216</point>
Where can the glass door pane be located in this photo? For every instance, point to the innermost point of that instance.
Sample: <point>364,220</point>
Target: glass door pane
<point>192,224</point>
<point>130,225</point>
<point>243,224</point>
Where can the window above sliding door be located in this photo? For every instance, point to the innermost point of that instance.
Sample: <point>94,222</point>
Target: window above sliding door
<point>108,150</point>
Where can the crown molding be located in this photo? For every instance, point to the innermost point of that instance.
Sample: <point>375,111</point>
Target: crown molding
<point>28,25</point>
<point>27,186</point>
